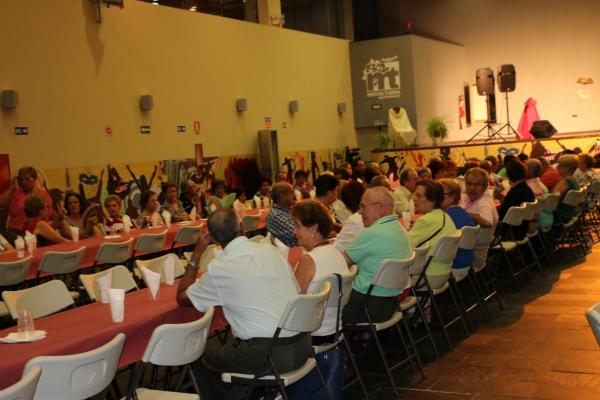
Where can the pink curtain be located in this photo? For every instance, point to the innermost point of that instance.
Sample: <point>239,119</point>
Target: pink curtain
<point>530,115</point>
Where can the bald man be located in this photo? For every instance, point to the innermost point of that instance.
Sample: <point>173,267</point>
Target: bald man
<point>383,238</point>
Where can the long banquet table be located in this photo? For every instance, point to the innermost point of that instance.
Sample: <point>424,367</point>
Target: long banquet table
<point>88,327</point>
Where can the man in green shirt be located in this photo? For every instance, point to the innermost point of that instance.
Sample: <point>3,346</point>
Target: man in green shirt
<point>383,238</point>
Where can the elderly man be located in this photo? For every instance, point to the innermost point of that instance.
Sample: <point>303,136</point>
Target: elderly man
<point>383,238</point>
<point>477,201</point>
<point>533,171</point>
<point>279,221</point>
<point>253,283</point>
<point>403,195</point>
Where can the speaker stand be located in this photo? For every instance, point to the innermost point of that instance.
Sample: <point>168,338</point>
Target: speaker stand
<point>491,132</point>
<point>509,128</point>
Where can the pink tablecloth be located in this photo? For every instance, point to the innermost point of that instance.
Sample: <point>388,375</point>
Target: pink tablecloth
<point>91,247</point>
<point>88,327</point>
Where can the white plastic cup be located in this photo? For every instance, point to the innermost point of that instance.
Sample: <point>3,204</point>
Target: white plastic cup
<point>406,219</point>
<point>25,325</point>
<point>20,247</point>
<point>116,300</point>
<point>75,234</point>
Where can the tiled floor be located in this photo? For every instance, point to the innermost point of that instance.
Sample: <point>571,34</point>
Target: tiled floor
<point>538,347</point>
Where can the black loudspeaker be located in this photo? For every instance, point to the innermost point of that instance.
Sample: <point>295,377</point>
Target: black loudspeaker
<point>542,129</point>
<point>507,78</point>
<point>485,81</point>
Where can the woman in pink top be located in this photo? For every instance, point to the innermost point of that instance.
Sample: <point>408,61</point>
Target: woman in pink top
<point>14,199</point>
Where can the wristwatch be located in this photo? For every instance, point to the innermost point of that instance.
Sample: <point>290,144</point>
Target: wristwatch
<point>192,264</point>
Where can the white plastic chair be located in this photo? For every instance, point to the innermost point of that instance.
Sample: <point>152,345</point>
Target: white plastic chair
<point>303,313</point>
<point>174,345</point>
<point>13,273</point>
<point>44,299</point>
<point>186,235</point>
<point>114,253</point>
<point>61,262</point>
<point>157,265</point>
<point>251,222</point>
<point>149,243</point>
<point>121,279</point>
<point>393,275</point>
<point>25,388</point>
<point>209,254</point>
<point>77,376</point>
<point>593,318</point>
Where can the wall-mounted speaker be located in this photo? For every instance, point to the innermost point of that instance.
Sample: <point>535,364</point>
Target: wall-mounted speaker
<point>484,78</point>
<point>341,108</point>
<point>9,99</point>
<point>241,105</point>
<point>294,106</point>
<point>507,78</point>
<point>542,129</point>
<point>146,102</point>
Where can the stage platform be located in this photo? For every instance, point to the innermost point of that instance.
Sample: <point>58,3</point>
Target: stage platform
<point>459,151</point>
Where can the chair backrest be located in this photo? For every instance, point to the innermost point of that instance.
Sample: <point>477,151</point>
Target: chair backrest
<point>14,272</point>
<point>541,203</point>
<point>482,246</point>
<point>61,262</point>
<point>573,197</point>
<point>178,344</point>
<point>77,376</point>
<point>468,239</point>
<point>347,279</point>
<point>514,215</point>
<point>445,249</point>
<point>552,200</point>
<point>594,188</point>
<point>593,318</point>
<point>187,235</point>
<point>44,299</point>
<point>114,253</point>
<point>250,222</point>
<point>393,274</point>
<point>25,388</point>
<point>209,254</point>
<point>157,265</point>
<point>257,238</point>
<point>529,212</point>
<point>420,259</point>
<point>305,312</point>
<point>151,242</point>
<point>121,279</point>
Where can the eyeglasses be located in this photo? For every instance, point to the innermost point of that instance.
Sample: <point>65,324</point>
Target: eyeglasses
<point>364,205</point>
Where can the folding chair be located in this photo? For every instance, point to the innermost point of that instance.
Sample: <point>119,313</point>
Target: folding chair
<point>12,274</point>
<point>251,222</point>
<point>44,299</point>
<point>303,313</point>
<point>149,243</point>
<point>173,345</point>
<point>63,265</point>
<point>25,388</point>
<point>157,265</point>
<point>488,284</point>
<point>77,376</point>
<point>593,317</point>
<point>186,236</point>
<point>110,253</point>
<point>121,279</point>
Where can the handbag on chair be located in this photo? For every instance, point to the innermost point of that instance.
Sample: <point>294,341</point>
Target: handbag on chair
<point>331,365</point>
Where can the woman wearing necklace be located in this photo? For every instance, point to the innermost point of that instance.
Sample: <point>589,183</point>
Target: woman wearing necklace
<point>173,205</point>
<point>312,227</point>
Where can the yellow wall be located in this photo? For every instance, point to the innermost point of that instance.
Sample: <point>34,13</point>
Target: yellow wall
<point>75,76</point>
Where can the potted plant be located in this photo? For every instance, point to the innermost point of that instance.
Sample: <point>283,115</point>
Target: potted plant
<point>383,140</point>
<point>437,129</point>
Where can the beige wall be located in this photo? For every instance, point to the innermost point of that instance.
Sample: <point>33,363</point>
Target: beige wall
<point>75,76</point>
<point>550,42</point>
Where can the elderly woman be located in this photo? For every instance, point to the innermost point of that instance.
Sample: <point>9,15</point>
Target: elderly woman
<point>533,171</point>
<point>518,194</point>
<point>114,218</point>
<point>14,199</point>
<point>464,258</point>
<point>173,205</point>
<point>433,225</point>
<point>567,165</point>
<point>351,194</point>
<point>477,201</point>
<point>585,173</point>
<point>312,227</point>
<point>149,216</point>
<point>36,210</point>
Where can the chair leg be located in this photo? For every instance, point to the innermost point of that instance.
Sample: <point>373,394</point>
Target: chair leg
<point>485,313</point>
<point>193,377</point>
<point>440,320</point>
<point>355,369</point>
<point>384,361</point>
<point>323,383</point>
<point>413,346</point>
<point>459,312</point>
<point>280,384</point>
<point>461,304</point>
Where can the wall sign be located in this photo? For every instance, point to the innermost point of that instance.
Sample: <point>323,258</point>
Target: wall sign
<point>21,130</point>
<point>108,130</point>
<point>180,128</point>
<point>268,123</point>
<point>145,129</point>
<point>382,77</point>
<point>197,127</point>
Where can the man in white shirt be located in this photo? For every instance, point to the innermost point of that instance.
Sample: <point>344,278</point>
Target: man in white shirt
<point>253,283</point>
<point>403,195</point>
